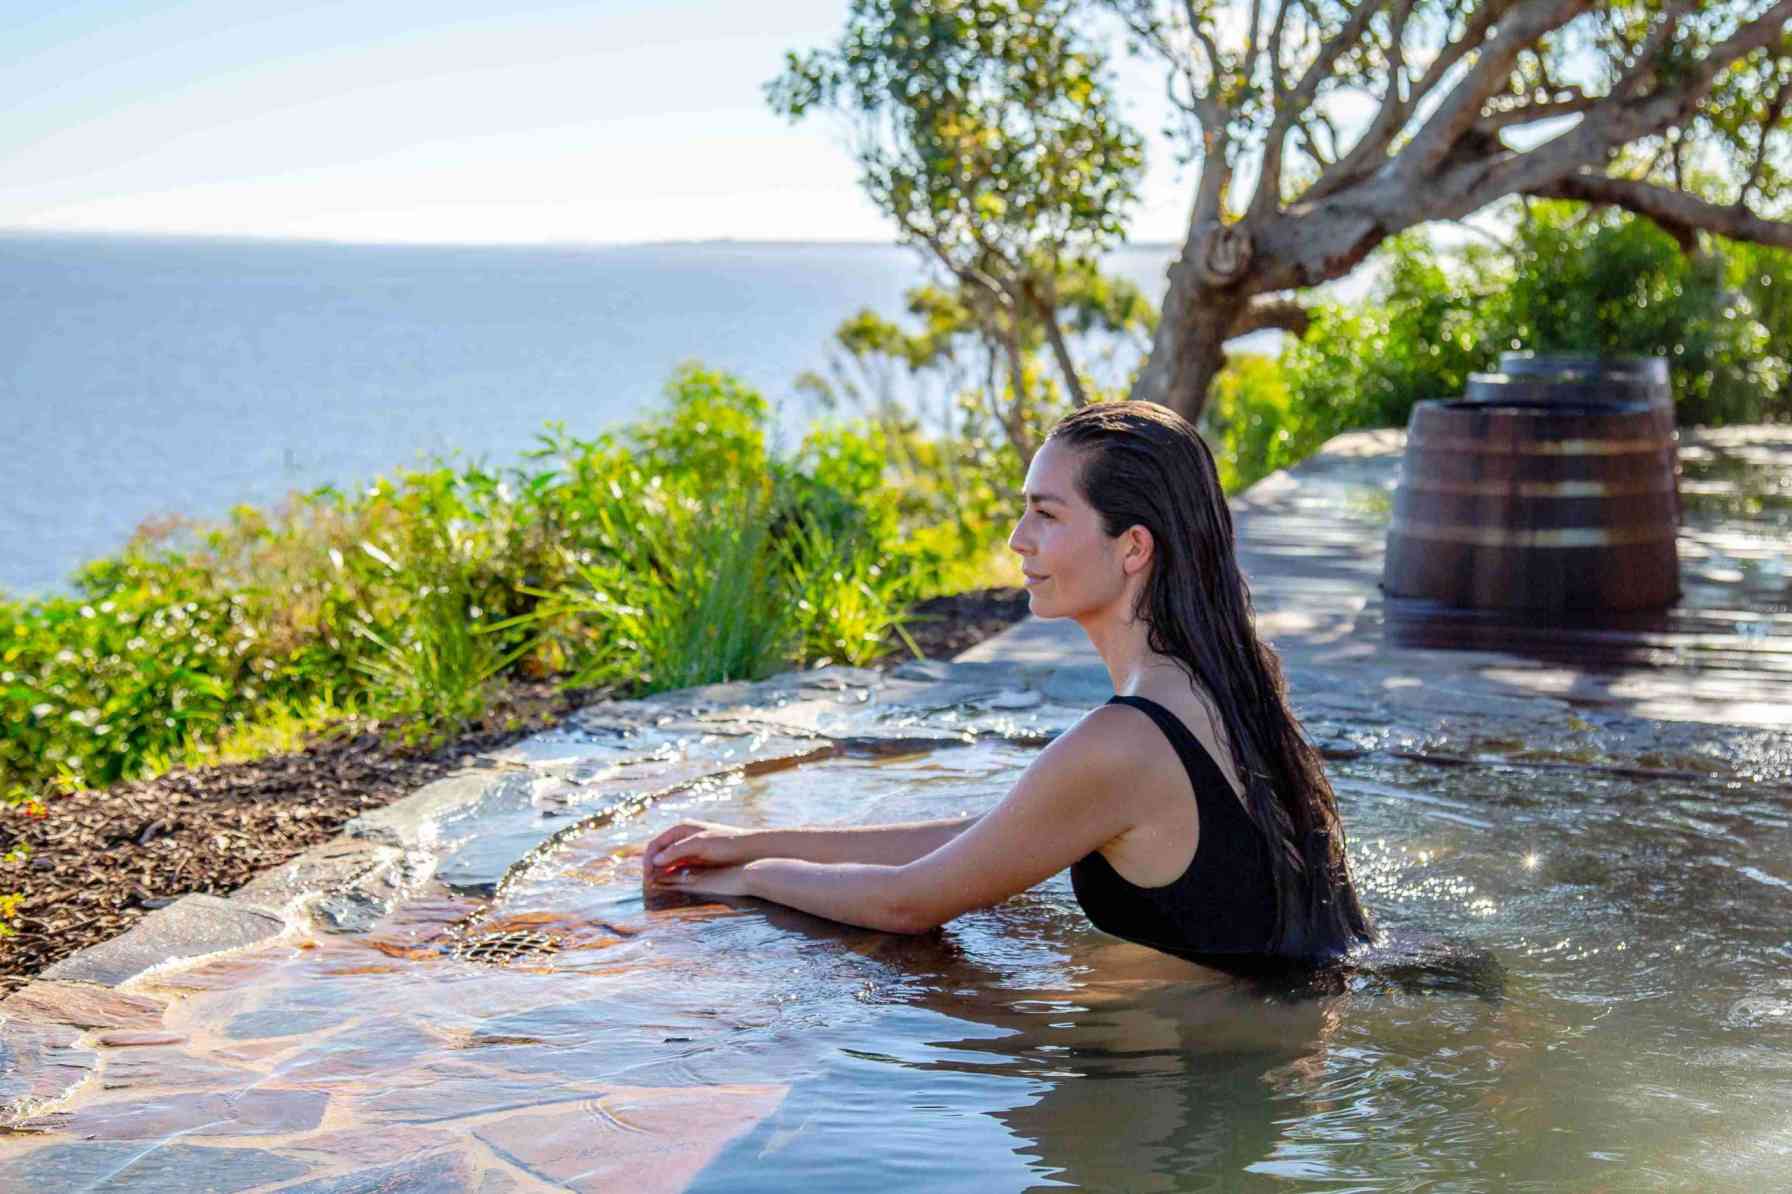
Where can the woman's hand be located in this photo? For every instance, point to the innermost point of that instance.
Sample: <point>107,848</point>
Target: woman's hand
<point>691,844</point>
<point>707,880</point>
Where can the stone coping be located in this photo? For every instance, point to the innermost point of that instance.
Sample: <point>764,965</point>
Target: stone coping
<point>463,835</point>
<point>469,830</point>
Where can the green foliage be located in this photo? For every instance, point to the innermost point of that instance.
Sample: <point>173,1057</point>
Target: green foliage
<point>983,126</point>
<point>987,131</point>
<point>1419,338</point>
<point>844,600</point>
<point>675,551</point>
<point>683,594</point>
<point>1574,281</point>
<point>1602,282</point>
<point>1254,425</point>
<point>435,667</point>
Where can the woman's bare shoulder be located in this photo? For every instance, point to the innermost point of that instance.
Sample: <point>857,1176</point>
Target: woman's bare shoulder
<point>1110,740</point>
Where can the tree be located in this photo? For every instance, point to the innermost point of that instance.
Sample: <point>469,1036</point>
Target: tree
<point>954,352</point>
<point>986,132</point>
<point>1352,122</point>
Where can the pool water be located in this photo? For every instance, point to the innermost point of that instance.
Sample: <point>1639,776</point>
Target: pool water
<point>576,1032</point>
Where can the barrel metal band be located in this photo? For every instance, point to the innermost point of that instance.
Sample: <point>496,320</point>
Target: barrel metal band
<point>1524,537</point>
<point>1559,447</point>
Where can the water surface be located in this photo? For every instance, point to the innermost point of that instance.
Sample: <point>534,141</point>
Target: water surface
<point>1639,1039</point>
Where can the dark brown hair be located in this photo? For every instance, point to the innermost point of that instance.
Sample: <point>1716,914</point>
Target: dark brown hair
<point>1144,465</point>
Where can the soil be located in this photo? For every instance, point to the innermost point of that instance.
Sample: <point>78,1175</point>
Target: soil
<point>101,859</point>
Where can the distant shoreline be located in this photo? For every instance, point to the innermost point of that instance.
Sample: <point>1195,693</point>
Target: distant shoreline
<point>109,235</point>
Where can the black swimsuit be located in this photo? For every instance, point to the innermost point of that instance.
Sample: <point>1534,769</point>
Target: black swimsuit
<point>1221,911</point>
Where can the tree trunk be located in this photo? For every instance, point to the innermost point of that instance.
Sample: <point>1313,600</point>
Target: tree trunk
<point>1054,334</point>
<point>1189,349</point>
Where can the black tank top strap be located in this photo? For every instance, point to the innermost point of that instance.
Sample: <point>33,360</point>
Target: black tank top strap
<point>1203,772</point>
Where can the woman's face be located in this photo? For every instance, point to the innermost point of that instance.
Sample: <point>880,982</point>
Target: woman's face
<point>1073,568</point>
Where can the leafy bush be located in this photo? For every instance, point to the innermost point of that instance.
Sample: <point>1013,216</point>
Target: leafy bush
<point>1603,282</point>
<point>1253,424</point>
<point>1574,281</point>
<point>672,552</point>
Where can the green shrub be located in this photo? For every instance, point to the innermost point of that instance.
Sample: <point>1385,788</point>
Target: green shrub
<point>671,552</point>
<point>1574,281</point>
<point>1253,424</point>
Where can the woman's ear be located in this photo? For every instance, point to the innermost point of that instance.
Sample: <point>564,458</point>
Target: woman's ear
<point>1140,547</point>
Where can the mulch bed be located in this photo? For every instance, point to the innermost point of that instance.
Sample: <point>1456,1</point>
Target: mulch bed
<point>101,859</point>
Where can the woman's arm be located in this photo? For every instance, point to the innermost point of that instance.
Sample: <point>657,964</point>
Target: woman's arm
<point>878,845</point>
<point>1080,793</point>
<point>699,843</point>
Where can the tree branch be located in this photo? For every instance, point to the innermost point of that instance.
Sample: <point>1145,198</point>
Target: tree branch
<point>1679,214</point>
<point>1046,308</point>
<point>1459,111</point>
<point>1285,314</point>
<point>1290,105</point>
<point>1323,156</point>
<point>1774,111</point>
<point>1201,105</point>
<point>1368,153</point>
<point>1588,145</point>
<point>1252,44</point>
<point>1507,118</point>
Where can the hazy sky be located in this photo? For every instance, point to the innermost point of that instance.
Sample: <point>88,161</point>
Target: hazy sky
<point>445,120</point>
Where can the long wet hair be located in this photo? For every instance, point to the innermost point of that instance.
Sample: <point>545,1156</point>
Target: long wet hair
<point>1144,465</point>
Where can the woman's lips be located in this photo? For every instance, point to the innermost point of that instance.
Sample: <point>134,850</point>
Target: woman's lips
<point>1033,580</point>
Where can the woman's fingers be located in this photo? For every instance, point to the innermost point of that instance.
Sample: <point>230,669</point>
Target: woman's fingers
<point>686,852</point>
<point>668,838</point>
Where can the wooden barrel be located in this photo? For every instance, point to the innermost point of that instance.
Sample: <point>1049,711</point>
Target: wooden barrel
<point>1535,505</point>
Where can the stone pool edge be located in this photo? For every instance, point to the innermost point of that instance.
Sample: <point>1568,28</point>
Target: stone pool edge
<point>47,1026</point>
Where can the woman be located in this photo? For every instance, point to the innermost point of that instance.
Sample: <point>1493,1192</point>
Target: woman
<point>1239,867</point>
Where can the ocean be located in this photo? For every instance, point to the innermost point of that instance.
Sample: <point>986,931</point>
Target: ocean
<point>143,377</point>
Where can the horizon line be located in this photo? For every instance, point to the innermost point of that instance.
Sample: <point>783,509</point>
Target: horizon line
<point>23,232</point>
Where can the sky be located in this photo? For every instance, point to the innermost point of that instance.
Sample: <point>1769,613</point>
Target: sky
<point>610,121</point>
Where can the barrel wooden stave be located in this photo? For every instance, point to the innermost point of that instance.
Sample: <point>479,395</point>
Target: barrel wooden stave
<point>1535,506</point>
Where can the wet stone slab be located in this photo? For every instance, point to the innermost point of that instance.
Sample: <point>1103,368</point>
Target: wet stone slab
<point>476,826</point>
<point>647,1140</point>
<point>39,1063</point>
<point>192,926</point>
<point>364,1148</point>
<point>437,1174</point>
<point>170,1068</point>
<point>80,1005</point>
<point>163,1169</point>
<point>379,1045</point>
<point>445,1091</point>
<point>333,864</point>
<point>291,1012</point>
<point>233,1113</point>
